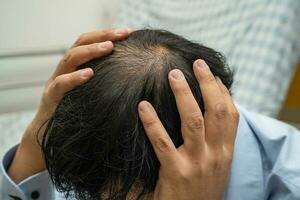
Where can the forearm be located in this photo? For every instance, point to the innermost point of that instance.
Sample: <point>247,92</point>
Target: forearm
<point>28,159</point>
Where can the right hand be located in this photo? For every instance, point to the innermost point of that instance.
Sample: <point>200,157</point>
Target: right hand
<point>198,169</point>
<point>28,159</point>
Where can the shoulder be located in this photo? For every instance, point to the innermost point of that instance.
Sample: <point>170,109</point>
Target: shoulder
<point>267,127</point>
<point>279,145</point>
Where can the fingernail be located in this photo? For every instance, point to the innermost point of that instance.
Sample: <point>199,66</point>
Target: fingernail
<point>143,106</point>
<point>121,31</point>
<point>86,73</point>
<point>177,74</point>
<point>104,45</point>
<point>201,64</point>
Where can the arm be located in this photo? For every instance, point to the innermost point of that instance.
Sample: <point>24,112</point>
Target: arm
<point>27,161</point>
<point>199,168</point>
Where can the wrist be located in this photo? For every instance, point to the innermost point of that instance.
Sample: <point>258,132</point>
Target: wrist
<point>29,159</point>
<point>35,130</point>
<point>32,139</point>
<point>26,163</point>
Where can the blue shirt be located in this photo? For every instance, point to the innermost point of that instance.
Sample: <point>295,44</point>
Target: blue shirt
<point>266,165</point>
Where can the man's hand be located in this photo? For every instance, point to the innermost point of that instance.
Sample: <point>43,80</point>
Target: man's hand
<point>28,159</point>
<point>198,169</point>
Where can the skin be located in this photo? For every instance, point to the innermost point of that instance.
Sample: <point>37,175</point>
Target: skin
<point>28,159</point>
<point>198,169</point>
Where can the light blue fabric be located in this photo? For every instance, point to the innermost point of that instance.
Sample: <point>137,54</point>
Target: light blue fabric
<point>266,165</point>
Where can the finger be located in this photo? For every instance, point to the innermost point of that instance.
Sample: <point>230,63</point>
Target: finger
<point>101,36</point>
<point>210,90</point>
<point>163,146</point>
<point>66,82</point>
<point>221,115</point>
<point>191,117</point>
<point>229,138</point>
<point>214,102</point>
<point>222,87</point>
<point>82,54</point>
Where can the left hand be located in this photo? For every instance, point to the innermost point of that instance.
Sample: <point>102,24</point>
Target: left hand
<point>199,169</point>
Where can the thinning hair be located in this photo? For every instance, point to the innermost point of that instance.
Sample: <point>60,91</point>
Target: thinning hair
<point>95,145</point>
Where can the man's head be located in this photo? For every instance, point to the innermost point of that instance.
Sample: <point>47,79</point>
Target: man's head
<point>95,146</point>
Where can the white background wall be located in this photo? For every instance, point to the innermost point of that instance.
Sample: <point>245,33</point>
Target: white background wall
<point>41,25</point>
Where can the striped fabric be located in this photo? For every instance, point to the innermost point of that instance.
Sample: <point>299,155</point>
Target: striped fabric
<point>260,38</point>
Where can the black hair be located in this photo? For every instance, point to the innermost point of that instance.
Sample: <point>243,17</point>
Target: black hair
<point>95,145</point>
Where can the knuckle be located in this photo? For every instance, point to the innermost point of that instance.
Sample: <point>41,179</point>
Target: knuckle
<point>221,111</point>
<point>195,122</point>
<point>210,79</point>
<point>163,144</point>
<point>92,50</point>
<point>68,56</point>
<point>80,40</point>
<point>57,83</point>
<point>216,163</point>
<point>235,115</point>
<point>149,123</point>
<point>183,176</point>
<point>219,160</point>
<point>224,159</point>
<point>71,79</point>
<point>186,174</point>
